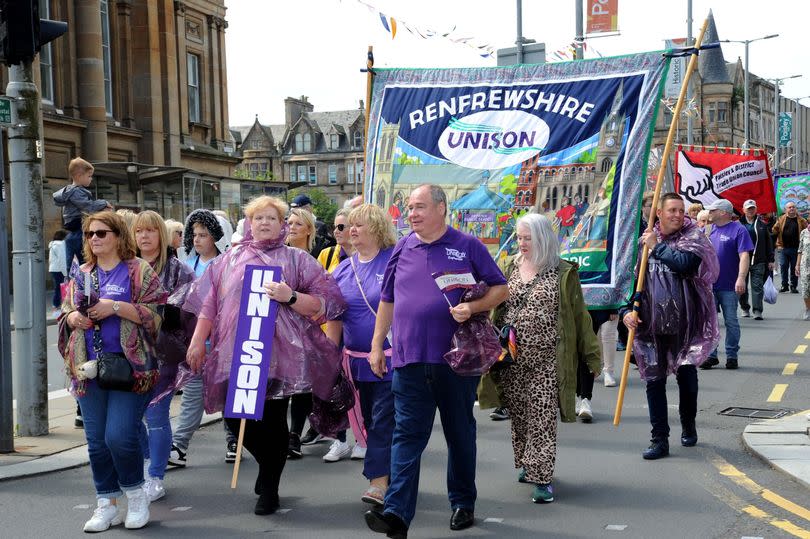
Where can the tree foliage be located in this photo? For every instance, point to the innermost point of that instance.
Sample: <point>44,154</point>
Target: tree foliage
<point>324,208</point>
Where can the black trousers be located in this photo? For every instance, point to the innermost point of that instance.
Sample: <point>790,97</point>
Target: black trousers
<point>584,376</point>
<point>687,378</point>
<point>300,408</point>
<point>267,441</point>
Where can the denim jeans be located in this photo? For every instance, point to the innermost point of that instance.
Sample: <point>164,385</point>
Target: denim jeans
<point>73,247</point>
<point>156,438</point>
<point>727,301</point>
<point>377,403</point>
<point>687,406</point>
<point>112,424</point>
<point>58,278</point>
<point>787,265</point>
<point>757,274</point>
<point>419,388</point>
<point>191,412</point>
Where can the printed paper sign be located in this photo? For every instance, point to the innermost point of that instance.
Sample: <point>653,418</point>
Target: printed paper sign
<point>253,345</point>
<point>451,280</point>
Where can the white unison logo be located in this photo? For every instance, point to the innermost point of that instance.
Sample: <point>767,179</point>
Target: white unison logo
<point>455,254</point>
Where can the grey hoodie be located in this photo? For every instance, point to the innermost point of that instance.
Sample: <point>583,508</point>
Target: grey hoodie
<point>75,201</point>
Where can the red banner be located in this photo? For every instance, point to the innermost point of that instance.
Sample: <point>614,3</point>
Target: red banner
<point>736,175</point>
<point>603,16</point>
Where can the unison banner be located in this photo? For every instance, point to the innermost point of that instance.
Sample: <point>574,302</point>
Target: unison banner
<point>568,140</point>
<point>703,176</point>
<point>253,345</point>
<point>796,189</point>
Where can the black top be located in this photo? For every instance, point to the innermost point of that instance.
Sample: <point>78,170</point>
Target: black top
<point>790,233</point>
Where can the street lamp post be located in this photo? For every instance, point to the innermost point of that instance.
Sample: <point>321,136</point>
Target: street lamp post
<point>746,100</point>
<point>776,83</point>
<point>799,140</point>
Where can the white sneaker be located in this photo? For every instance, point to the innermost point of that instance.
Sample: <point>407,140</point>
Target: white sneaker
<point>806,314</point>
<point>154,489</point>
<point>578,405</point>
<point>585,413</point>
<point>609,380</point>
<point>358,453</point>
<point>337,451</point>
<point>104,516</point>
<point>137,509</point>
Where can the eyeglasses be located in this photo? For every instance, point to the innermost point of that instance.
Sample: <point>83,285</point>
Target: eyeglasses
<point>100,234</point>
<point>340,227</point>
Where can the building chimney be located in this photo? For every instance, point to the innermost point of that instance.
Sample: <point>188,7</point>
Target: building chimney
<point>294,108</point>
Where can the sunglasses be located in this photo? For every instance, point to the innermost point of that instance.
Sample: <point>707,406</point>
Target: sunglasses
<point>340,227</point>
<point>100,234</point>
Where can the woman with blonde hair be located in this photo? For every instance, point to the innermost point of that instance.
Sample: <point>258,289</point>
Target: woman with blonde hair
<point>112,311</point>
<point>174,229</point>
<point>360,280</point>
<point>694,209</point>
<point>152,244</point>
<point>302,229</point>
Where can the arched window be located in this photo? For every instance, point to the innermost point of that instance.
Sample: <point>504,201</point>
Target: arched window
<point>380,197</point>
<point>587,193</point>
<point>299,143</point>
<point>307,142</point>
<point>606,164</point>
<point>554,198</point>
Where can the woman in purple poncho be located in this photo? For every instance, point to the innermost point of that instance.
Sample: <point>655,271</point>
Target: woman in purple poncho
<point>303,359</point>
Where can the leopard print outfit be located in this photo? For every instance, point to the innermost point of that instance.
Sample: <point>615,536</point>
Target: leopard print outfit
<point>530,384</point>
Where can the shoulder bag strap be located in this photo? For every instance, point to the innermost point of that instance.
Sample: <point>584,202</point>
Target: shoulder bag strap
<point>96,327</point>
<point>360,286</point>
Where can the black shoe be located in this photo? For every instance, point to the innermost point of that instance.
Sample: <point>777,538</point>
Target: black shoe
<point>78,423</point>
<point>709,363</point>
<point>783,289</point>
<point>294,449</point>
<point>731,363</point>
<point>499,414</point>
<point>461,519</point>
<point>387,523</point>
<point>267,504</point>
<point>658,449</point>
<point>794,290</point>
<point>230,452</point>
<point>689,437</point>
<point>177,457</point>
<point>311,437</point>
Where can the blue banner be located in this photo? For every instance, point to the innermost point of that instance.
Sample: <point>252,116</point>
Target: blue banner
<point>567,140</point>
<point>253,345</point>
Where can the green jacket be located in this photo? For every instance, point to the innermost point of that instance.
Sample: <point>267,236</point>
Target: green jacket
<point>576,340</point>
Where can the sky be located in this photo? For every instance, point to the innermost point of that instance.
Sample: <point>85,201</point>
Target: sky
<point>316,48</point>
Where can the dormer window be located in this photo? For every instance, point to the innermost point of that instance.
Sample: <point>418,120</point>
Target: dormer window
<point>303,142</point>
<point>358,139</point>
<point>334,141</point>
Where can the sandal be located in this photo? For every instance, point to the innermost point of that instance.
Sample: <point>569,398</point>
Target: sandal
<point>374,496</point>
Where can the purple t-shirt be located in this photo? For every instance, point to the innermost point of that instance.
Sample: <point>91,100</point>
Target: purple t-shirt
<point>423,327</point>
<point>729,241</point>
<point>358,320</point>
<point>114,285</point>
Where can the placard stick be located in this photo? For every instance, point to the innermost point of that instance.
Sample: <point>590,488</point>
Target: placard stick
<point>238,453</point>
<point>642,268</point>
<point>369,85</point>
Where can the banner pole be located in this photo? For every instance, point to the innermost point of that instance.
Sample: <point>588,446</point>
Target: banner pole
<point>369,85</point>
<point>238,460</point>
<point>642,269</point>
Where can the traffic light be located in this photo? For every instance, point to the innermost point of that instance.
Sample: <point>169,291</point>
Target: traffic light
<point>22,32</point>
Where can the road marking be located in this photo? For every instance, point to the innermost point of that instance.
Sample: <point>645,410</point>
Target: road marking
<point>786,504</point>
<point>801,349</point>
<point>616,527</point>
<point>181,508</point>
<point>82,506</point>
<point>790,369</point>
<point>493,519</point>
<point>807,336</point>
<point>777,393</point>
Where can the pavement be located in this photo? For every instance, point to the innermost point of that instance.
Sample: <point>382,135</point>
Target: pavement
<point>783,443</point>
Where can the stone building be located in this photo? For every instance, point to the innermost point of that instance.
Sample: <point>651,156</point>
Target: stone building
<point>318,149</point>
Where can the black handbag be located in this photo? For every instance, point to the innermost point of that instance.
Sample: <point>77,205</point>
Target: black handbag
<point>114,369</point>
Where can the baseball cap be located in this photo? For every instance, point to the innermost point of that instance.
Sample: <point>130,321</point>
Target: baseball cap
<point>750,203</point>
<point>300,200</point>
<point>721,204</point>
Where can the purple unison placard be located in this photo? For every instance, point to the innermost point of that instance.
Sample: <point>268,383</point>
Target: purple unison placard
<point>253,345</point>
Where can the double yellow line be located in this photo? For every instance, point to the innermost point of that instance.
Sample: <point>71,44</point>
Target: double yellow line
<point>778,390</point>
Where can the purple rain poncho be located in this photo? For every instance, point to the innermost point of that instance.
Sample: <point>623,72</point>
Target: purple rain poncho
<point>675,305</point>
<point>303,359</point>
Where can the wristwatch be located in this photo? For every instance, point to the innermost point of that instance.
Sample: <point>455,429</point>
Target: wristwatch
<point>293,298</point>
<point>116,306</point>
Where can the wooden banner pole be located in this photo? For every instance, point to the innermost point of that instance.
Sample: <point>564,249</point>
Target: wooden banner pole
<point>676,114</point>
<point>369,85</point>
<point>238,460</point>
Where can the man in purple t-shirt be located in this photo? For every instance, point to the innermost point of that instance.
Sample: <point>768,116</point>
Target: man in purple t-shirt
<point>733,245</point>
<point>423,326</point>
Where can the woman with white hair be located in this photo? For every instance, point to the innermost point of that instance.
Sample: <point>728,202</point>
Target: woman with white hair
<point>553,329</point>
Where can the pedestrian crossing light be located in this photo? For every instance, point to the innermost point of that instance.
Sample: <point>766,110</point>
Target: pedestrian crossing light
<point>22,32</point>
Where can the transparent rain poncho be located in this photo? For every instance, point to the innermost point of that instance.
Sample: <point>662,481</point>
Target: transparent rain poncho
<point>303,359</point>
<point>679,306</point>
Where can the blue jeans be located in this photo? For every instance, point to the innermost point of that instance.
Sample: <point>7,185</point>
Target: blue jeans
<point>377,403</point>
<point>191,412</point>
<point>727,301</point>
<point>73,247</point>
<point>757,274</point>
<point>112,423</point>
<point>420,388</point>
<point>156,439</point>
<point>787,265</point>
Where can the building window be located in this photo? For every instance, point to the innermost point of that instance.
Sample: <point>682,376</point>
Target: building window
<point>193,63</point>
<point>313,174</point>
<point>358,139</point>
<point>334,141</point>
<point>721,111</point>
<point>332,174</point>
<point>302,173</point>
<point>307,142</point>
<point>606,164</point>
<point>46,58</point>
<point>106,55</point>
<point>299,143</point>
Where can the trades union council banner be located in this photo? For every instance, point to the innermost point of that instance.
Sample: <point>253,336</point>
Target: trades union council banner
<point>567,140</point>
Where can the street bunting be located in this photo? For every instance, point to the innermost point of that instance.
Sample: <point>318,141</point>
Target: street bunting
<point>796,189</point>
<point>677,68</point>
<point>603,16</point>
<point>705,175</point>
<point>568,140</point>
<point>785,128</point>
<point>253,345</point>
